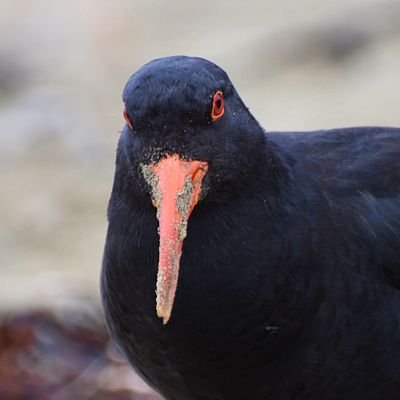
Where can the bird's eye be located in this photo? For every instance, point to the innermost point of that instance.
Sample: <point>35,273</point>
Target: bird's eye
<point>218,106</point>
<point>127,119</point>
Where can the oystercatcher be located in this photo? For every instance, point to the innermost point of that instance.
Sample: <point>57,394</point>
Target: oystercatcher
<point>244,264</point>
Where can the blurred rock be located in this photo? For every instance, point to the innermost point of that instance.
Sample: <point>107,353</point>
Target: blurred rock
<point>48,116</point>
<point>63,356</point>
<point>14,73</point>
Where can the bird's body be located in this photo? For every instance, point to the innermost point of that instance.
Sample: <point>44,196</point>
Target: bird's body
<point>289,279</point>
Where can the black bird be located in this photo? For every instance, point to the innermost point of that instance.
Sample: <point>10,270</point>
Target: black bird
<point>244,264</point>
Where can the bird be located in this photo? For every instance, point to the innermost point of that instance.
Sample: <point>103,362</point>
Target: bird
<point>242,263</point>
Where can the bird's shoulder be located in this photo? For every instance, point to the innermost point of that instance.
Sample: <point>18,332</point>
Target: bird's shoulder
<point>344,161</point>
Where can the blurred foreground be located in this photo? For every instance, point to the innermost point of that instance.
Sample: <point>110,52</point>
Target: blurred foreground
<point>63,355</point>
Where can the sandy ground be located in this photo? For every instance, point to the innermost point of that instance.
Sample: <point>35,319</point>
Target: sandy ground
<point>298,64</point>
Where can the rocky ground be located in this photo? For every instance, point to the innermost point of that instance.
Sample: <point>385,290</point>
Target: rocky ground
<point>63,355</point>
<point>297,64</point>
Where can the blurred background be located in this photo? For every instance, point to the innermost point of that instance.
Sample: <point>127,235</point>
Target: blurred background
<point>298,65</point>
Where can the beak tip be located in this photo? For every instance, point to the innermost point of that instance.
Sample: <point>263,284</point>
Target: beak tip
<point>165,316</point>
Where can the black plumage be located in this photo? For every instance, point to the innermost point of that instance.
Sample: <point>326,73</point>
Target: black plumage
<point>289,282</point>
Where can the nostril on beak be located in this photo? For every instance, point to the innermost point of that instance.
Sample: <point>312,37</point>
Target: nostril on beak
<point>195,176</point>
<point>198,175</point>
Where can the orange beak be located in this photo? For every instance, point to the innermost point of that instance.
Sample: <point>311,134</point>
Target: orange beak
<point>176,188</point>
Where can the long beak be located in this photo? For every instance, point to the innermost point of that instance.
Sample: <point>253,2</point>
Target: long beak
<point>176,187</point>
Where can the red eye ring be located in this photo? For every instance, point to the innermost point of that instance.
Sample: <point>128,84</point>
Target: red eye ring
<point>218,107</point>
<point>127,119</point>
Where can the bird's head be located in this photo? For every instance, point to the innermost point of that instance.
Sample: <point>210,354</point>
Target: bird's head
<point>188,138</point>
